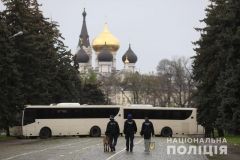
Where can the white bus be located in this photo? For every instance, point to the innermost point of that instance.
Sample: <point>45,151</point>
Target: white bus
<point>65,119</point>
<point>166,121</point>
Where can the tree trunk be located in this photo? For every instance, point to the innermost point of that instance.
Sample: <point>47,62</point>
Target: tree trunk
<point>7,131</point>
<point>220,132</point>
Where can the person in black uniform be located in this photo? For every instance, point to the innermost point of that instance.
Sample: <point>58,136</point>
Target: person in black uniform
<point>112,132</point>
<point>147,131</point>
<point>130,128</point>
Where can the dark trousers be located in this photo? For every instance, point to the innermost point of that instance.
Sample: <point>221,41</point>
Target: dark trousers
<point>129,138</point>
<point>113,141</point>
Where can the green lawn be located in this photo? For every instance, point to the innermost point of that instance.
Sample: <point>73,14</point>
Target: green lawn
<point>232,139</point>
<point>233,149</point>
<point>4,138</point>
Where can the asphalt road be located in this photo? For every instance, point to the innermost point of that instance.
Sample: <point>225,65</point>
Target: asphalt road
<point>85,148</point>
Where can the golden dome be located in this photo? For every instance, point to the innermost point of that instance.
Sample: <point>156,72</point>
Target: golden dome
<point>107,38</point>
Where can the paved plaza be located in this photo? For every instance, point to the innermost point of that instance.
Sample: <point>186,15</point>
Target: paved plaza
<point>85,148</point>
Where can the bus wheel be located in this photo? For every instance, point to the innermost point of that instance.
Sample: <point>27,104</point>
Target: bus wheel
<point>95,131</point>
<point>45,133</point>
<point>166,132</point>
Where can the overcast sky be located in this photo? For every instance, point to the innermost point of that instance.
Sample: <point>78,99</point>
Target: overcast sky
<point>156,29</point>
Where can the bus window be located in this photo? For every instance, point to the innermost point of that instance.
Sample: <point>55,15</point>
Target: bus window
<point>29,116</point>
<point>61,113</point>
<point>99,112</point>
<point>92,112</point>
<point>158,114</point>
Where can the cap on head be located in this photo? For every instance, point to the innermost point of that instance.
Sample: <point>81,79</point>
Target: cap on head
<point>129,116</point>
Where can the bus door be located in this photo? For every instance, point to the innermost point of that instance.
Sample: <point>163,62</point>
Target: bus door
<point>120,119</point>
<point>29,125</point>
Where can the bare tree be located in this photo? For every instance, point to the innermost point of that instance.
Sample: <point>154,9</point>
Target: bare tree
<point>171,86</point>
<point>176,76</point>
<point>109,85</point>
<point>132,82</point>
<point>165,71</point>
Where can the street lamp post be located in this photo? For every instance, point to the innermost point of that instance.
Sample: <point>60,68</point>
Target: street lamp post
<point>123,93</point>
<point>17,34</point>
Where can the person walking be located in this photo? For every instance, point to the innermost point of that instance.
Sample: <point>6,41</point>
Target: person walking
<point>147,131</point>
<point>130,128</point>
<point>112,132</point>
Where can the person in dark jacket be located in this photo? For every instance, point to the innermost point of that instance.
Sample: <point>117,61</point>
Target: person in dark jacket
<point>112,132</point>
<point>147,131</point>
<point>130,128</point>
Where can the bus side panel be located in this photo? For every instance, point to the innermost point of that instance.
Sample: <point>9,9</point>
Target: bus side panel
<point>61,127</point>
<point>29,130</point>
<point>195,128</point>
<point>178,126</point>
<point>160,124</point>
<point>200,129</point>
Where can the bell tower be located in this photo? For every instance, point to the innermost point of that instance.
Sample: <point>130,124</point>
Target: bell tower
<point>84,43</point>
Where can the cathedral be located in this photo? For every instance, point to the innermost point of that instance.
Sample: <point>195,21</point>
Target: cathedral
<point>105,46</point>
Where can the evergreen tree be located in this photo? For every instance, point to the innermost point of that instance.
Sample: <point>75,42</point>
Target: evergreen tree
<point>229,82</point>
<point>36,67</point>
<point>215,66</point>
<point>90,91</point>
<point>32,48</point>
<point>9,78</point>
<point>47,73</point>
<point>208,63</point>
<point>91,94</point>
